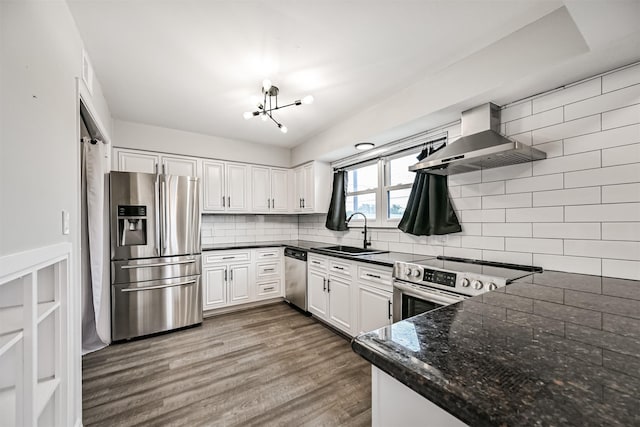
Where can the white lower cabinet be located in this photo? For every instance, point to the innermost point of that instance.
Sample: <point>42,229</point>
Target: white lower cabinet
<point>339,293</point>
<point>374,308</point>
<point>241,276</point>
<point>317,293</point>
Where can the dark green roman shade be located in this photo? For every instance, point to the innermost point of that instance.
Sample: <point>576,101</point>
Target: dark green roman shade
<point>337,214</point>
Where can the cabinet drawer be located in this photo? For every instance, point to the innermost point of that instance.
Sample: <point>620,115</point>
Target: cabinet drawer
<point>317,262</point>
<point>266,269</point>
<point>269,289</point>
<point>377,277</point>
<point>342,268</point>
<point>268,253</point>
<point>226,257</point>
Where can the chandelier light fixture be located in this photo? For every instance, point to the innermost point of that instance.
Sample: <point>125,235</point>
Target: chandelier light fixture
<point>270,104</point>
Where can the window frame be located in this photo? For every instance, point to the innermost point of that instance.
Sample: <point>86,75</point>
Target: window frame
<point>387,187</point>
<point>359,221</point>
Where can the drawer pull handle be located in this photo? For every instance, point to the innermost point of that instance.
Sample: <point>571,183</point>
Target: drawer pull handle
<point>315,262</point>
<point>265,255</point>
<point>270,288</point>
<point>160,264</point>
<point>373,275</point>
<point>339,268</point>
<point>269,269</point>
<point>228,257</point>
<point>150,288</point>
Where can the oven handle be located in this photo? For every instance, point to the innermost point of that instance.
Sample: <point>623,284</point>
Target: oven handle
<point>433,296</point>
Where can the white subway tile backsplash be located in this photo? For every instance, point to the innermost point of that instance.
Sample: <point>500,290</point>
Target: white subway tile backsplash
<point>575,162</point>
<point>569,264</point>
<point>515,111</point>
<point>567,129</point>
<point>553,148</point>
<point>465,178</point>
<point>567,230</point>
<point>574,196</point>
<point>484,215</point>
<point>603,213</point>
<point>536,183</point>
<point>606,102</point>
<point>621,155</point>
<point>598,248</point>
<point>471,229</point>
<point>455,191</point>
<point>622,78</point>
<point>605,139</point>
<point>621,193</point>
<point>516,200</point>
<point>547,214</point>
<point>510,257</point>
<point>465,203</point>
<point>621,231</point>
<point>507,172</point>
<point>476,242</point>
<point>524,138</point>
<point>546,118</point>
<point>463,252</point>
<point>603,176</point>
<point>620,268</point>
<point>537,246</point>
<point>486,189</point>
<point>507,229</point>
<point>584,90</point>
<point>621,117</point>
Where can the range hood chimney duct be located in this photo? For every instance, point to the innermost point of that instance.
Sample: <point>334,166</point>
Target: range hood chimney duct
<point>481,146</point>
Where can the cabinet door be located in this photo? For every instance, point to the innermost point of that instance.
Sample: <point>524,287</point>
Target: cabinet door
<point>279,194</point>
<point>260,189</point>
<point>298,188</point>
<point>238,284</point>
<point>374,308</point>
<point>215,288</point>
<point>340,303</point>
<point>317,294</point>
<point>237,184</point>
<point>182,166</point>
<point>309,191</point>
<point>132,161</point>
<point>213,186</point>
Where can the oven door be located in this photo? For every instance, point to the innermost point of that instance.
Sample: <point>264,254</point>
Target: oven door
<point>410,299</point>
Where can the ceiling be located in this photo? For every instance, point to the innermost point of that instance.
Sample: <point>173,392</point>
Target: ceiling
<point>194,65</point>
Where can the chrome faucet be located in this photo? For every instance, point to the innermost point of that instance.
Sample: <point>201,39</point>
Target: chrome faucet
<point>366,243</point>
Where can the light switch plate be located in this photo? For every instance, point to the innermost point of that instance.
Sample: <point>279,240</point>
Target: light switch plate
<point>65,222</point>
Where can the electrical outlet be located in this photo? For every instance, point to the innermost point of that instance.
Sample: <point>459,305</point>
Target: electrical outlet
<point>65,222</point>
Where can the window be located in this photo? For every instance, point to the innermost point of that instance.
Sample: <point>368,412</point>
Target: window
<point>380,189</point>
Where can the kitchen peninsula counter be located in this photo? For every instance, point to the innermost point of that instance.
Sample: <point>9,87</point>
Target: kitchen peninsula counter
<point>550,349</point>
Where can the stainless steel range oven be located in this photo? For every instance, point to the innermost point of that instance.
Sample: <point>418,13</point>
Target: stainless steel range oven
<point>438,282</point>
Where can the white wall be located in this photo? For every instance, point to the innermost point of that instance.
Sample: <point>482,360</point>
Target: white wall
<point>154,138</point>
<point>576,211</point>
<point>41,54</point>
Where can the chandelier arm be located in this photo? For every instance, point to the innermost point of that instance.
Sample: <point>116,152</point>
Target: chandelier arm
<point>281,107</point>
<point>275,121</point>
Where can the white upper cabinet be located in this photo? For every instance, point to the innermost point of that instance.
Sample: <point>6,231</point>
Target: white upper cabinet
<point>183,166</point>
<point>269,189</point>
<point>312,188</point>
<point>135,161</point>
<point>224,186</point>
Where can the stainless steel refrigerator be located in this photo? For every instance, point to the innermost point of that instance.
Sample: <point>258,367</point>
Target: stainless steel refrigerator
<point>155,253</point>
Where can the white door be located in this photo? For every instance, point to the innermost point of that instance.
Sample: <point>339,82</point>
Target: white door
<point>279,186</point>
<point>238,284</point>
<point>131,161</point>
<point>215,289</point>
<point>182,166</point>
<point>260,189</point>
<point>298,188</point>
<point>317,294</point>
<point>309,193</point>
<point>374,308</point>
<point>213,184</point>
<point>237,184</point>
<point>340,303</point>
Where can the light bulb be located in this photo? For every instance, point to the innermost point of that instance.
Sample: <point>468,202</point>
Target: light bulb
<point>307,99</point>
<point>264,117</point>
<point>283,129</point>
<point>266,84</point>
<point>247,115</point>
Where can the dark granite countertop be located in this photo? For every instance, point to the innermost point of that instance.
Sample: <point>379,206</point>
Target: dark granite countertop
<point>551,349</point>
<point>385,259</point>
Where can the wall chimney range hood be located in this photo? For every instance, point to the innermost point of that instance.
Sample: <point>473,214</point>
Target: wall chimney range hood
<point>480,147</point>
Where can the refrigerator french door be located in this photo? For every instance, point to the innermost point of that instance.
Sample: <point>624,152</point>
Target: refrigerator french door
<point>155,253</point>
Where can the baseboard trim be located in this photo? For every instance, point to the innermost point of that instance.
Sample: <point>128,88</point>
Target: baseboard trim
<point>240,307</point>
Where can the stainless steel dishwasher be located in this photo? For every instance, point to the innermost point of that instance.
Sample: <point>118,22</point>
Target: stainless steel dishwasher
<point>295,277</point>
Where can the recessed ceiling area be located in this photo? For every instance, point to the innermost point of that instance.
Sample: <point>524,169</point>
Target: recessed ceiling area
<point>195,65</point>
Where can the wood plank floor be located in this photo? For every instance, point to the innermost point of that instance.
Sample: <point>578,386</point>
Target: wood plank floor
<point>265,366</point>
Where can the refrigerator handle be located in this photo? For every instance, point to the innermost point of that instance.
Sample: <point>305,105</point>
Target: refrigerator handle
<point>157,215</point>
<point>163,201</point>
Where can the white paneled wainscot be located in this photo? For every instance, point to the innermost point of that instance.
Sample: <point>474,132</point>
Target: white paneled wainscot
<point>577,211</point>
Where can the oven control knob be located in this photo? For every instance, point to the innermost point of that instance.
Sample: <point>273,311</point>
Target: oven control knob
<point>415,273</point>
<point>477,284</point>
<point>407,272</point>
<point>492,286</point>
<point>465,283</point>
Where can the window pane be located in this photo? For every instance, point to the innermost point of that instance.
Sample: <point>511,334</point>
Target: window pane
<point>397,202</point>
<point>399,170</point>
<point>364,178</point>
<point>365,203</point>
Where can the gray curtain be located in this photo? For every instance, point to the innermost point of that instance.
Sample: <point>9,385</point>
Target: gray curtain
<point>337,214</point>
<point>429,209</point>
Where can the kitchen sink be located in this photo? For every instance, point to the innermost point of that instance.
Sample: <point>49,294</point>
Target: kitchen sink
<point>352,250</point>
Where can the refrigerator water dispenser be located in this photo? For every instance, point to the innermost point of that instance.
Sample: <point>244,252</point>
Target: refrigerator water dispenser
<point>132,225</point>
